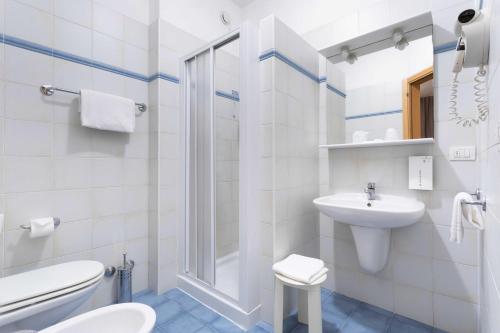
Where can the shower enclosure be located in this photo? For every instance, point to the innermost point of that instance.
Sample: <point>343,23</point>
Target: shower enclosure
<point>217,251</point>
<point>212,111</point>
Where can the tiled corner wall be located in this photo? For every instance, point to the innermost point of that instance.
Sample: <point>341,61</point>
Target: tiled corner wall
<point>489,155</point>
<point>289,155</point>
<point>95,181</point>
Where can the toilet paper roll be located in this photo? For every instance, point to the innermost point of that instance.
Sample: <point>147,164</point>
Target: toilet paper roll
<point>41,227</point>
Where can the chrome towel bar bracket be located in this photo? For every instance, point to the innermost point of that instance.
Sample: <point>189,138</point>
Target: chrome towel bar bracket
<point>57,222</point>
<point>49,90</point>
<point>480,199</point>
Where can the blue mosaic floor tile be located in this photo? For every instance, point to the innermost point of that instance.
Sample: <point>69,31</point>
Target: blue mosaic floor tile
<point>290,323</point>
<point>223,325</point>
<point>401,324</point>
<point>184,323</point>
<point>150,299</point>
<point>366,319</point>
<point>186,302</point>
<point>300,328</point>
<point>331,327</point>
<point>265,326</point>
<point>337,308</point>
<point>325,293</point>
<point>157,329</point>
<point>166,311</point>
<point>257,329</point>
<point>437,330</point>
<point>206,329</point>
<point>204,314</point>
<point>177,312</point>
<point>174,294</point>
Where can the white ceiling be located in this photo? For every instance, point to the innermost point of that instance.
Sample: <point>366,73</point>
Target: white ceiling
<point>242,3</point>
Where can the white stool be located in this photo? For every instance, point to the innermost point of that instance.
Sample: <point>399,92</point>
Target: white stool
<point>309,303</point>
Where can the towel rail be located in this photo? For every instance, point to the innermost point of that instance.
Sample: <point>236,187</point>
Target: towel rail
<point>48,90</point>
<point>480,200</point>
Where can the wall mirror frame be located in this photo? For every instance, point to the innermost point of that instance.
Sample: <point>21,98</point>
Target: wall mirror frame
<point>386,84</point>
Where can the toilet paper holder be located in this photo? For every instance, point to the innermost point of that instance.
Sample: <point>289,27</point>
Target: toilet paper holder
<point>57,222</point>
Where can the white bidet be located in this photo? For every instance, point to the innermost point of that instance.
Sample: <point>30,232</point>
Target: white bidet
<point>123,318</point>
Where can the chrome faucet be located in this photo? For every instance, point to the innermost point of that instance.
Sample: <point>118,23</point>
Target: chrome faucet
<point>370,191</point>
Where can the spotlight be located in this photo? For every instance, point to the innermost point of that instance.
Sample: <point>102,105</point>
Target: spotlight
<point>351,59</point>
<point>348,55</point>
<point>399,39</point>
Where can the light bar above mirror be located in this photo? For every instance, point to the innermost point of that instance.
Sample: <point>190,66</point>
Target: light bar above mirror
<point>412,28</point>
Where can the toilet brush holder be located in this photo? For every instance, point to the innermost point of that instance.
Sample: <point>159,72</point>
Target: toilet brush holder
<point>125,280</point>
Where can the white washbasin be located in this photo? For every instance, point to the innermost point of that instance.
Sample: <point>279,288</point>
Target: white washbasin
<point>123,318</point>
<point>386,211</point>
<point>371,222</point>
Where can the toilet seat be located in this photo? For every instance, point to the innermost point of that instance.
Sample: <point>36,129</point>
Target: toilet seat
<point>20,290</point>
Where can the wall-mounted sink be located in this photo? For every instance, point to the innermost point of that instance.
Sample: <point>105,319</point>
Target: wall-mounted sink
<point>371,222</point>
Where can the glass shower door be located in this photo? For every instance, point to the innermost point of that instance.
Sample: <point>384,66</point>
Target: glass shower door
<point>200,224</point>
<point>212,166</point>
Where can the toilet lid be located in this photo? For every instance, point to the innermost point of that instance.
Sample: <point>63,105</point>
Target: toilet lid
<point>23,286</point>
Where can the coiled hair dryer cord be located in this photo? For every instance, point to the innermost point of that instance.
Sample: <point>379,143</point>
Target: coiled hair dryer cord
<point>480,97</point>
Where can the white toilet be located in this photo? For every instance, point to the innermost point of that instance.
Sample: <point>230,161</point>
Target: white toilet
<point>42,297</point>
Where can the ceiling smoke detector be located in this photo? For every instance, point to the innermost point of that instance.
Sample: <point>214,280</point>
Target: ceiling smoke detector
<point>225,18</point>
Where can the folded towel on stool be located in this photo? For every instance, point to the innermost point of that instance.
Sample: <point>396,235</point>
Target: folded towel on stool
<point>300,268</point>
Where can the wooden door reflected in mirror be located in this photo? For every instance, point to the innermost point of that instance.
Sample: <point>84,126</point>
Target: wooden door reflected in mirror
<point>418,105</point>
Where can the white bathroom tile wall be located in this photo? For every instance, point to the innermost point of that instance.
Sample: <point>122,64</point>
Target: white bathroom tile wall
<point>96,182</point>
<point>77,11</point>
<point>29,23</point>
<point>72,38</point>
<point>167,42</point>
<point>489,156</point>
<point>288,154</point>
<point>108,21</point>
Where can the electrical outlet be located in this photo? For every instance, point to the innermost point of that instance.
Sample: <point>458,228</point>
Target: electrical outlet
<point>462,153</point>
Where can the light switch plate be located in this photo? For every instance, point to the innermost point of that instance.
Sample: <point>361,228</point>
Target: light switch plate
<point>462,153</point>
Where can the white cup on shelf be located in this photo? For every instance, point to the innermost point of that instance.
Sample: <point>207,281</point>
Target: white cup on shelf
<point>359,136</point>
<point>391,134</point>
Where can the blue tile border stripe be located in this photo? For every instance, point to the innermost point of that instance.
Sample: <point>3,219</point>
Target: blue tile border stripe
<point>164,76</point>
<point>274,53</point>
<point>234,97</point>
<point>34,47</point>
<point>376,114</point>
<point>451,46</point>
<point>331,87</point>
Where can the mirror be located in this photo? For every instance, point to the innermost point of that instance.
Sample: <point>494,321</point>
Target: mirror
<point>380,85</point>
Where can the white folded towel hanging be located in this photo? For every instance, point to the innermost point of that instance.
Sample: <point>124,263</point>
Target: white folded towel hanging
<point>463,212</point>
<point>300,268</point>
<point>107,112</point>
